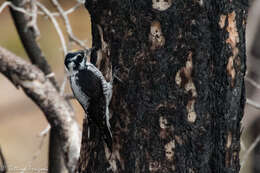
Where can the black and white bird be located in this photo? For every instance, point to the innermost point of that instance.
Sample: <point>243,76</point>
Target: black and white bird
<point>91,90</point>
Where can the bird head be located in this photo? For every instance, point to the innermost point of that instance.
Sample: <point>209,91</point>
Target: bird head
<point>75,61</point>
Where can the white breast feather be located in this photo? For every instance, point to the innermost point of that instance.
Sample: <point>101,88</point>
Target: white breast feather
<point>79,94</point>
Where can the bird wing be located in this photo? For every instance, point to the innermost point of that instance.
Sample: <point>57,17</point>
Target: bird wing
<point>90,84</point>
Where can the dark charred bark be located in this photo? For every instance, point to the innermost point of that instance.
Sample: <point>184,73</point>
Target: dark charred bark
<point>179,106</point>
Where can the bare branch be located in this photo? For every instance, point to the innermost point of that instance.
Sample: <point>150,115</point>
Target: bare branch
<point>3,166</point>
<point>27,29</point>
<point>65,18</point>
<point>56,25</point>
<point>71,10</point>
<point>56,163</point>
<point>72,37</point>
<point>16,8</point>
<point>26,22</point>
<point>22,10</point>
<point>29,41</point>
<point>45,131</point>
<point>50,75</point>
<point>56,109</point>
<point>33,23</point>
<point>63,85</point>
<point>252,103</point>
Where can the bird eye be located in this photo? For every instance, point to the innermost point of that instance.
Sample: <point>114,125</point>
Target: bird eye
<point>79,58</point>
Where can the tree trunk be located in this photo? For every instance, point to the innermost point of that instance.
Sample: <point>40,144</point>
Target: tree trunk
<point>181,99</point>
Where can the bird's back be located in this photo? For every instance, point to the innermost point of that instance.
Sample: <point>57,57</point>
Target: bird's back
<point>86,85</point>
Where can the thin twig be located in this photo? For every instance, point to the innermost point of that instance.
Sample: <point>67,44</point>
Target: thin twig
<point>52,74</point>
<point>251,148</point>
<point>65,18</point>
<point>56,25</point>
<point>45,131</point>
<point>33,23</point>
<point>67,12</point>
<point>71,10</point>
<point>63,85</point>
<point>253,103</point>
<point>22,10</point>
<point>28,38</point>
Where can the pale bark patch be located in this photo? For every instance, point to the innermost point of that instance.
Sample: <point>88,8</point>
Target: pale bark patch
<point>228,145</point>
<point>154,166</point>
<point>162,5</point>
<point>103,57</point>
<point>191,111</point>
<point>163,123</point>
<point>232,40</point>
<point>166,128</point>
<point>191,170</point>
<point>184,74</point>
<point>169,150</point>
<point>113,157</point>
<point>222,21</point>
<point>156,37</point>
<point>229,140</point>
<point>178,78</point>
<point>179,140</point>
<point>201,2</point>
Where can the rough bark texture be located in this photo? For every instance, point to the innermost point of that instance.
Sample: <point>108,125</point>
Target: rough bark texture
<point>56,109</point>
<point>179,107</point>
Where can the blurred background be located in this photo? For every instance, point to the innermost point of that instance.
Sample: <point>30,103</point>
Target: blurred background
<point>21,121</point>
